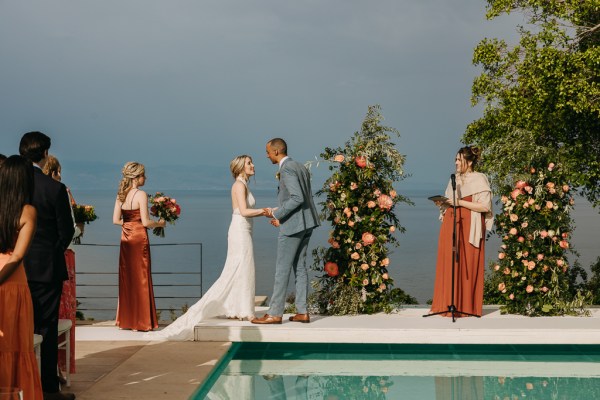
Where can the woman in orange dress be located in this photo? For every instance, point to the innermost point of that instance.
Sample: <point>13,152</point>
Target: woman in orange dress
<point>18,366</point>
<point>68,298</point>
<point>473,217</point>
<point>136,309</point>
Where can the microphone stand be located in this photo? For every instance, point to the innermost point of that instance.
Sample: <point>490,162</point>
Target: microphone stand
<point>455,261</point>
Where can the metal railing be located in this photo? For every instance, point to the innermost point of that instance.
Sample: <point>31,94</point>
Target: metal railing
<point>177,273</point>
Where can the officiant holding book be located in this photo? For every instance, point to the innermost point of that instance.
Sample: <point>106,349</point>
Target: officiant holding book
<point>473,196</point>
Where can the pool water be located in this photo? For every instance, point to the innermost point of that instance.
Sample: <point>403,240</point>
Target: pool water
<point>311,371</point>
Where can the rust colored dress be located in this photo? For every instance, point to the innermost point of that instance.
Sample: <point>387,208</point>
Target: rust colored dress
<point>18,366</point>
<point>68,310</point>
<point>136,309</point>
<point>469,272</point>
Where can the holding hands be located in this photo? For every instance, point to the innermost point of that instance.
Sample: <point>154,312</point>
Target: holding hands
<point>268,212</point>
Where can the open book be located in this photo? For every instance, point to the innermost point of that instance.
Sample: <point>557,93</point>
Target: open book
<point>438,197</point>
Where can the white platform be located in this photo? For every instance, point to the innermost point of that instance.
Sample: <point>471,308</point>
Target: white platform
<point>406,326</point>
<point>409,326</point>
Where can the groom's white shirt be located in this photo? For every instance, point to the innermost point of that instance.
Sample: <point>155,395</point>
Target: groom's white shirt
<point>282,161</point>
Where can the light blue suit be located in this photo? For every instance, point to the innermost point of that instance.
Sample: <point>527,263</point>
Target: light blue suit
<point>297,216</point>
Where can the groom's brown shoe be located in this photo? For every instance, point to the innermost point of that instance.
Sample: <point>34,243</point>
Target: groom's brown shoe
<point>267,319</point>
<point>304,318</point>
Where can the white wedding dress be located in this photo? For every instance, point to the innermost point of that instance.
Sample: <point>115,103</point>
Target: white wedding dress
<point>232,295</point>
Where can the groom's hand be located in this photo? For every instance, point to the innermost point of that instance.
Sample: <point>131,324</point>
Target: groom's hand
<point>274,222</point>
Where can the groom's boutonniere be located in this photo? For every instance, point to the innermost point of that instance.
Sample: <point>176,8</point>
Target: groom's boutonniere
<point>277,175</point>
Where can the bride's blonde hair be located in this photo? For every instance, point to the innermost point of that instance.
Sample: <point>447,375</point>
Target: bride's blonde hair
<point>236,166</point>
<point>130,171</point>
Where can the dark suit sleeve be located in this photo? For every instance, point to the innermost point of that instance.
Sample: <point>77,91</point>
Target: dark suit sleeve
<point>290,178</point>
<point>64,220</point>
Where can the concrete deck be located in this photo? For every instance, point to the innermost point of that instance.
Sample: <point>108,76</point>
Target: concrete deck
<point>118,364</point>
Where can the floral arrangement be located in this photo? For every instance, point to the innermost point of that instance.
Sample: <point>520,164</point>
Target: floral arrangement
<point>84,213</point>
<point>360,201</point>
<point>530,276</point>
<point>163,207</point>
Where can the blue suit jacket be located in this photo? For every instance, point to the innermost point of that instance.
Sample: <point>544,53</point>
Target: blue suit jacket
<point>297,211</point>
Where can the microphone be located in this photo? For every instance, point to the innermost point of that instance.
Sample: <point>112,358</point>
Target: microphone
<point>453,179</point>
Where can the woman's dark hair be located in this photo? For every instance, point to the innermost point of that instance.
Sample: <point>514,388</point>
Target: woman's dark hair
<point>2,158</point>
<point>470,154</point>
<point>16,190</point>
<point>33,146</point>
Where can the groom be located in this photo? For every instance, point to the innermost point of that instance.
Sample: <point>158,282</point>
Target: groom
<point>296,217</point>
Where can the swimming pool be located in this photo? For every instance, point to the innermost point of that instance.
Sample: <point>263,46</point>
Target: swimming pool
<point>295,371</point>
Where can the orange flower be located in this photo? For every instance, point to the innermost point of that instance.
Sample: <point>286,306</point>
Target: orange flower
<point>361,161</point>
<point>339,158</point>
<point>331,268</point>
<point>368,238</point>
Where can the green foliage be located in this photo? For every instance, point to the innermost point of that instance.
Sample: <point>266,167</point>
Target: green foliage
<point>541,96</point>
<point>531,275</point>
<point>360,201</point>
<point>594,283</point>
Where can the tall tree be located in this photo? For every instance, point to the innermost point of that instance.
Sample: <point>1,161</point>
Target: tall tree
<point>542,96</point>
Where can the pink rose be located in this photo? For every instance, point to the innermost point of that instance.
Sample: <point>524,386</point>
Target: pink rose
<point>549,204</point>
<point>335,245</point>
<point>529,189</point>
<point>540,257</point>
<point>501,256</point>
<point>513,231</point>
<point>382,286</point>
<point>529,289</point>
<point>351,223</point>
<point>365,282</point>
<point>355,209</point>
<point>385,262</point>
<point>385,276</point>
<point>550,185</point>
<point>513,217</point>
<point>511,296</point>
<point>358,246</point>
<point>347,212</point>
<point>521,239</point>
<point>524,225</point>
<point>339,158</point>
<point>564,244</point>
<point>501,286</point>
<point>565,188</point>
<point>515,193</point>
<point>550,166</point>
<point>331,268</point>
<point>543,234</point>
<point>364,267</point>
<point>353,186</point>
<point>355,256</point>
<point>530,201</point>
<point>385,202</point>
<point>560,262</point>
<point>506,271</point>
<point>371,204</point>
<point>521,184</point>
<point>503,199</point>
<point>361,161</point>
<point>373,263</point>
<point>532,170</point>
<point>496,267</point>
<point>545,289</point>
<point>525,254</point>
<point>368,238</point>
<point>377,192</point>
<point>392,229</point>
<point>530,265</point>
<point>393,193</point>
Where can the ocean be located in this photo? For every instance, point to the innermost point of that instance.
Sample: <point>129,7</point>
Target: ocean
<point>205,219</point>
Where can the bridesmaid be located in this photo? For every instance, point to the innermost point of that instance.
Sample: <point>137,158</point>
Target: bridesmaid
<point>18,366</point>
<point>68,298</point>
<point>473,217</point>
<point>136,309</point>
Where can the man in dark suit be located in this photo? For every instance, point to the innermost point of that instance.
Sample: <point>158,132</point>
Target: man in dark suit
<point>45,262</point>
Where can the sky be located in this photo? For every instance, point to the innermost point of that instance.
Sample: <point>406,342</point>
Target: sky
<point>185,86</point>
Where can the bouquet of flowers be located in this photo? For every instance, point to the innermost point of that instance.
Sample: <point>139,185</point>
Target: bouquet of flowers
<point>84,213</point>
<point>164,207</point>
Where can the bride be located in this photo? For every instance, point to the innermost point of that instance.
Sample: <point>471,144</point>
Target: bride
<point>232,295</point>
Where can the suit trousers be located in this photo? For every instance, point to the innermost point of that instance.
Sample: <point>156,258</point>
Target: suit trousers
<point>46,302</point>
<point>291,256</point>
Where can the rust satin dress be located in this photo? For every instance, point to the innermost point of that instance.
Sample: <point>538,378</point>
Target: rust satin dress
<point>18,366</point>
<point>136,309</point>
<point>469,272</point>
